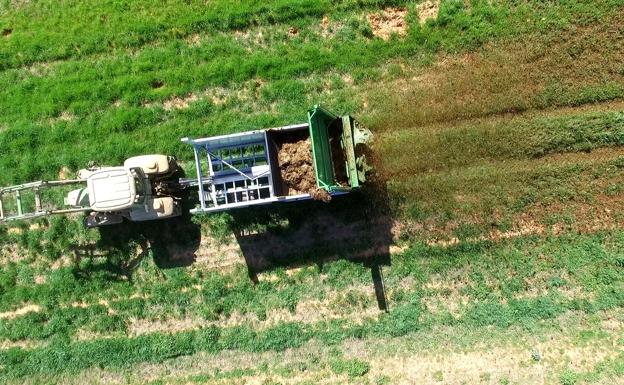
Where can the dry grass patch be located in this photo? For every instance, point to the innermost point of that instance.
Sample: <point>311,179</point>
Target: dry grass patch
<point>84,334</point>
<point>488,356</point>
<point>41,69</point>
<point>65,173</point>
<point>27,308</point>
<point>520,229</point>
<point>137,327</point>
<point>40,279</point>
<point>428,9</point>
<point>11,253</point>
<point>612,323</point>
<point>492,366</point>
<point>179,103</point>
<point>391,21</point>
<point>22,344</point>
<point>257,38</point>
<point>194,40</point>
<point>446,292</point>
<point>308,311</point>
<point>15,230</point>
<point>65,116</point>
<point>64,261</point>
<point>512,76</point>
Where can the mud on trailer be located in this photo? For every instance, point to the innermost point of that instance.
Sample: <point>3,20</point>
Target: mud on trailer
<point>318,159</point>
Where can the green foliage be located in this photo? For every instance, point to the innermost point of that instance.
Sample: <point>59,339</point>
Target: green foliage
<point>353,368</point>
<point>568,377</point>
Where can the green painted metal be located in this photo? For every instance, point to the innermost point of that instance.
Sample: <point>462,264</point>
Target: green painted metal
<point>320,120</point>
<point>18,197</point>
<point>349,148</point>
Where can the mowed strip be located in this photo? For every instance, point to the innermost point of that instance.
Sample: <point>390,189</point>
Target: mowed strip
<point>572,343</point>
<point>515,282</point>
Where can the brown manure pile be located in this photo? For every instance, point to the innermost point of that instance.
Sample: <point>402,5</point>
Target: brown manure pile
<point>297,170</point>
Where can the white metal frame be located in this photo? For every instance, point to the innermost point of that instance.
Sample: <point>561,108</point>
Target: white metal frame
<point>207,150</point>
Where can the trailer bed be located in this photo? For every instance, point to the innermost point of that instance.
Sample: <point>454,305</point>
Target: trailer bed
<point>241,170</point>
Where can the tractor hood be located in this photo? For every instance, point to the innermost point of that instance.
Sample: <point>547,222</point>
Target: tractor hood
<point>111,189</point>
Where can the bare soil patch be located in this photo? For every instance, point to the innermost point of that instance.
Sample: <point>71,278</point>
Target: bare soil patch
<point>390,21</point>
<point>293,31</point>
<point>179,103</point>
<point>325,23</point>
<point>297,170</point>
<point>428,10</point>
<point>194,40</point>
<point>6,32</point>
<point>40,279</point>
<point>21,311</point>
<point>65,116</point>
<point>22,344</point>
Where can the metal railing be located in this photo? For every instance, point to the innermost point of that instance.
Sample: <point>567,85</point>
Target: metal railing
<point>40,207</point>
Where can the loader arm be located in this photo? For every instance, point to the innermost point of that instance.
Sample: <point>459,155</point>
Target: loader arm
<point>17,209</point>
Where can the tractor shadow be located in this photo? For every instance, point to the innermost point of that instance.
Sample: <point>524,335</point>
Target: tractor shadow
<point>356,227</point>
<point>173,243</point>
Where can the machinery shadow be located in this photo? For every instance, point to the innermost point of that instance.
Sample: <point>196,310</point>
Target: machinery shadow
<point>173,242</point>
<point>355,227</point>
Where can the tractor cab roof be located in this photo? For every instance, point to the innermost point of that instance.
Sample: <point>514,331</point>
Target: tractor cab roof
<point>111,189</point>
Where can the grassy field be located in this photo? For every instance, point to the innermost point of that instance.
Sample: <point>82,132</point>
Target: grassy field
<point>495,216</point>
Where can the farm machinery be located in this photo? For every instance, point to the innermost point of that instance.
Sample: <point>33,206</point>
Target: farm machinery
<point>319,159</point>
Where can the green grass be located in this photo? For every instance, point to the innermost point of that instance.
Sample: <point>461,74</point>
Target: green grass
<point>493,303</point>
<point>86,87</point>
<point>498,126</point>
<point>117,26</point>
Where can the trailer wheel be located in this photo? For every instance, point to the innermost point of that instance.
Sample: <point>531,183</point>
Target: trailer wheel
<point>96,219</point>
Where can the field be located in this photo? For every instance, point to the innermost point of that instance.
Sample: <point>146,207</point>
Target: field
<point>487,248</point>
